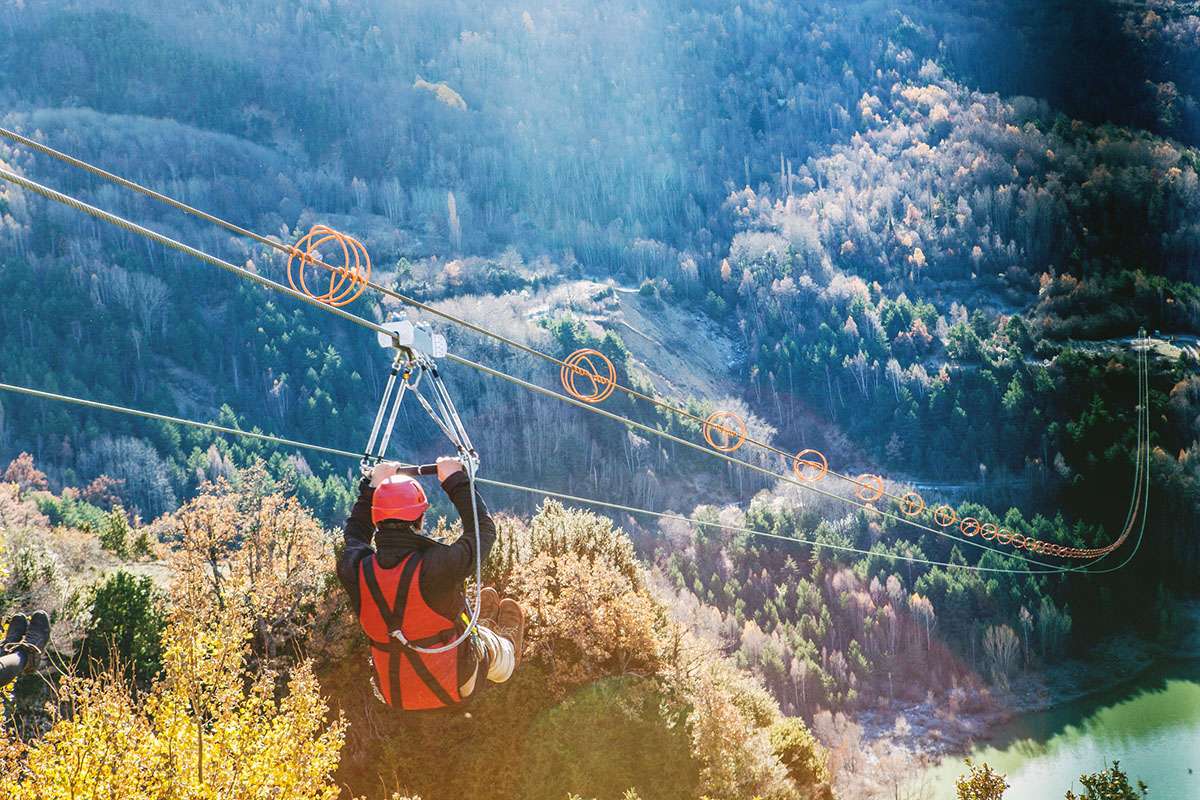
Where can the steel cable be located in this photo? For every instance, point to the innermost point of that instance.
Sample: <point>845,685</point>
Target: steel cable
<point>290,251</point>
<point>167,241</point>
<point>266,282</point>
<point>106,216</point>
<point>527,489</point>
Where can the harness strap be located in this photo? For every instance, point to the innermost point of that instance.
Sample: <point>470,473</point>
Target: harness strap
<point>428,641</point>
<point>391,619</point>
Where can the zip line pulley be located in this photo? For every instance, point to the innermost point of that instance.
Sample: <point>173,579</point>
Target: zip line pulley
<point>417,347</point>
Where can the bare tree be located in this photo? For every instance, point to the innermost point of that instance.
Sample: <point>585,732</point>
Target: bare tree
<point>1001,647</point>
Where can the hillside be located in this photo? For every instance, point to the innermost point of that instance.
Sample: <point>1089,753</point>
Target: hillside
<point>613,694</point>
<point>919,239</point>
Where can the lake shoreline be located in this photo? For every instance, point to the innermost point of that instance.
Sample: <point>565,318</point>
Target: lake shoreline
<point>950,725</point>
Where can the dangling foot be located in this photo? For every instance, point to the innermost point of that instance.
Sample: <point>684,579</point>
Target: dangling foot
<point>14,634</point>
<point>489,602</point>
<point>510,623</point>
<point>37,636</point>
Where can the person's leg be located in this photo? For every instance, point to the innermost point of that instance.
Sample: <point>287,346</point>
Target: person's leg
<point>24,642</point>
<point>11,665</point>
<point>489,603</point>
<point>500,655</point>
<point>14,632</point>
<point>510,625</point>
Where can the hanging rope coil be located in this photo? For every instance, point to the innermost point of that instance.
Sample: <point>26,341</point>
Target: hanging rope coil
<point>582,364</point>
<point>355,270</point>
<point>722,423</point>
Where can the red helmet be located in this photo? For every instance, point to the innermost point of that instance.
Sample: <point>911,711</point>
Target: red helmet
<point>398,497</point>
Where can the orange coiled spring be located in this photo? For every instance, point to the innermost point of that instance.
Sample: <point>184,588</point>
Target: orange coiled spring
<point>730,430</point>
<point>354,272</point>
<point>582,364</point>
<point>799,462</point>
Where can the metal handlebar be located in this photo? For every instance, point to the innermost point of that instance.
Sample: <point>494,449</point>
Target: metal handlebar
<point>422,469</point>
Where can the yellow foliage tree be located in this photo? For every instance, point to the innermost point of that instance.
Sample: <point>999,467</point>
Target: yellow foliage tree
<point>207,729</point>
<point>731,720</point>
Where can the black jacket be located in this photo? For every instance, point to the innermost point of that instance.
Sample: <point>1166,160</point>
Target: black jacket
<point>443,567</point>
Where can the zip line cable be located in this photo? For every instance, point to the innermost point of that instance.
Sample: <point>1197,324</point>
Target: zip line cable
<point>266,282</point>
<point>730,459</point>
<point>1143,441</point>
<point>291,251</point>
<point>167,241</point>
<point>208,426</point>
<point>106,216</point>
<point>1141,464</point>
<point>527,489</point>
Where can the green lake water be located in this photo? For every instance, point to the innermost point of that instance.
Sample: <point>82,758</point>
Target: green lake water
<point>1151,725</point>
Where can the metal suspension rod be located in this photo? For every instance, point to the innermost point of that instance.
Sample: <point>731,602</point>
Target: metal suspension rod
<point>387,393</point>
<point>404,387</point>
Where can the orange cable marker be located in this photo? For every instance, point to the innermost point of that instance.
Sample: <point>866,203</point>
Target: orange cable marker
<point>862,487</point>
<point>988,527</point>
<point>944,516</point>
<point>602,386</point>
<point>717,421</point>
<point>822,468</point>
<point>969,526</point>
<point>911,504</point>
<point>355,271</point>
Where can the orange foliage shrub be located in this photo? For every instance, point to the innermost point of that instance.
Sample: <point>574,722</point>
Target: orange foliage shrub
<point>585,620</point>
<point>252,548</point>
<point>103,492</point>
<point>22,472</point>
<point>588,611</point>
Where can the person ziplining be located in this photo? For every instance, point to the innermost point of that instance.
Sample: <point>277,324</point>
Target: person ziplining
<point>429,650</point>
<point>407,592</point>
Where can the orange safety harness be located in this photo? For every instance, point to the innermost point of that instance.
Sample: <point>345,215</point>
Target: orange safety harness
<point>398,626</point>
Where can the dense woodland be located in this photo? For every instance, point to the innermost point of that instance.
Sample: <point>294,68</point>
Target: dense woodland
<point>930,232</point>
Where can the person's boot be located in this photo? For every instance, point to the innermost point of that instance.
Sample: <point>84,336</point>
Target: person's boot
<point>14,634</point>
<point>37,636</point>
<point>489,603</point>
<point>510,623</point>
